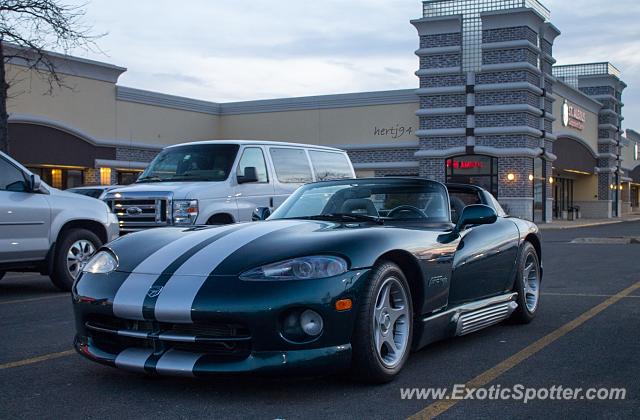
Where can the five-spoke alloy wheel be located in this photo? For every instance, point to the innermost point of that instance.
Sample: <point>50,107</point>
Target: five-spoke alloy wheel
<point>527,284</point>
<point>384,327</point>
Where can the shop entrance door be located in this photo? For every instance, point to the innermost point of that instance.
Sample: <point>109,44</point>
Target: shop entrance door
<point>563,197</point>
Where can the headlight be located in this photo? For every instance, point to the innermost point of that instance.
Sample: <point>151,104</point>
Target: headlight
<point>303,268</point>
<point>185,212</point>
<point>104,262</point>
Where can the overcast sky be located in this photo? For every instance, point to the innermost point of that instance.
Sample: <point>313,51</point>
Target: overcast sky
<point>220,50</point>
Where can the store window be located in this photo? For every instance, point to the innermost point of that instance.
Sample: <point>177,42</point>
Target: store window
<point>61,178</point>
<point>126,177</point>
<point>539,190</point>
<point>473,169</point>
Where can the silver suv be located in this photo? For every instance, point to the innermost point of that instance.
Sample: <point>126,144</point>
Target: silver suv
<point>46,230</point>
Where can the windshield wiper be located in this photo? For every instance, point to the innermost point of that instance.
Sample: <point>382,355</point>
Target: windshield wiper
<point>344,217</point>
<point>150,179</point>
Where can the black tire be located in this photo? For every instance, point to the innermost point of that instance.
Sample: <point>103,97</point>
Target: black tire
<point>2,273</point>
<point>61,276</point>
<point>524,315</point>
<point>366,364</point>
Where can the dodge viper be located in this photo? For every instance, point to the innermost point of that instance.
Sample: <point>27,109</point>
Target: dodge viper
<point>349,274</point>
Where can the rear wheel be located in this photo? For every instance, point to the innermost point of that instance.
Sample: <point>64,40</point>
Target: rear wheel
<point>384,327</point>
<point>74,249</point>
<point>527,285</point>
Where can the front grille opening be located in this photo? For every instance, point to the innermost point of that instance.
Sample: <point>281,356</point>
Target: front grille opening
<point>103,330</point>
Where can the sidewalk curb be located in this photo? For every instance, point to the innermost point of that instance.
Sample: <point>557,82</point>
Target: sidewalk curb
<point>609,222</point>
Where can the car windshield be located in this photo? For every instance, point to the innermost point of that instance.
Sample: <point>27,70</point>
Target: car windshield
<point>201,162</point>
<point>375,199</point>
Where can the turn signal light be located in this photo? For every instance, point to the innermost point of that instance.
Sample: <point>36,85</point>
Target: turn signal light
<point>343,305</point>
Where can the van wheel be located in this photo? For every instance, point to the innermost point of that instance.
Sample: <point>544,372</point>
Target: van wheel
<point>74,249</point>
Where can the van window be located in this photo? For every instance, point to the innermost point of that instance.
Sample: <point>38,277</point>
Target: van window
<point>330,165</point>
<point>11,178</point>
<point>253,156</point>
<point>291,165</point>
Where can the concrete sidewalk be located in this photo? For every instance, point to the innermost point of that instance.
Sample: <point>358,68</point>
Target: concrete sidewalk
<point>572,224</point>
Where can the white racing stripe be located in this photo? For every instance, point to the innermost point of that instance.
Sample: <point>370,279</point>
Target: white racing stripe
<point>129,299</point>
<point>175,302</point>
<point>177,363</point>
<point>133,359</point>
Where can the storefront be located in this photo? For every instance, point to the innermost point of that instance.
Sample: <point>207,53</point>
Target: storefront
<point>546,140</point>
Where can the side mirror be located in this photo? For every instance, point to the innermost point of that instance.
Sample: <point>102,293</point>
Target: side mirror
<point>250,175</point>
<point>476,214</point>
<point>35,182</point>
<point>261,213</point>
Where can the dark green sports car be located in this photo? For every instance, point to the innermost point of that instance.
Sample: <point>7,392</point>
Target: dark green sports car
<point>345,274</point>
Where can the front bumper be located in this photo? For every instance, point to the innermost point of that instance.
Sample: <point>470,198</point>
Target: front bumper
<point>183,363</point>
<point>236,327</point>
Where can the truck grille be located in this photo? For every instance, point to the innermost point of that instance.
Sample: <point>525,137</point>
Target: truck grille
<point>136,212</point>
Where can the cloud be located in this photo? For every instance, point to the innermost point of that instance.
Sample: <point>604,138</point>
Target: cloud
<point>252,49</point>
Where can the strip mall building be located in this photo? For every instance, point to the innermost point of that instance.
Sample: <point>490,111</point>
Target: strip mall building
<point>491,108</point>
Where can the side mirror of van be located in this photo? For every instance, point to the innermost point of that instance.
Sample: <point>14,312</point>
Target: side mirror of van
<point>250,175</point>
<point>261,213</point>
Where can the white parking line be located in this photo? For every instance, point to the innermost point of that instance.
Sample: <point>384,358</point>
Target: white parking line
<point>7,302</point>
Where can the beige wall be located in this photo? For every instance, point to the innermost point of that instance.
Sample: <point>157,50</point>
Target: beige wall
<point>590,132</point>
<point>164,126</point>
<point>90,106</point>
<point>85,104</point>
<point>335,126</point>
<point>585,188</point>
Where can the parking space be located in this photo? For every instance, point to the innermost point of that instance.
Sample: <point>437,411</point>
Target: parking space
<point>599,351</point>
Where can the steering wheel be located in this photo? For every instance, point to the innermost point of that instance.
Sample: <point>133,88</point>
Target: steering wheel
<point>407,209</point>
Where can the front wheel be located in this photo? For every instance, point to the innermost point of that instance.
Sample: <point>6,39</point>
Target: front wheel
<point>74,249</point>
<point>527,285</point>
<point>384,326</point>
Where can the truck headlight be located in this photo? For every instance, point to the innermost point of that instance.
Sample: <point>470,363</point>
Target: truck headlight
<point>303,268</point>
<point>104,262</point>
<point>185,212</point>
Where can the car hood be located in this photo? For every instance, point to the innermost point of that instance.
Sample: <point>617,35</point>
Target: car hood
<point>232,249</point>
<point>191,189</point>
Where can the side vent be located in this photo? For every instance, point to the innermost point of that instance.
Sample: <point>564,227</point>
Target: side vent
<point>476,320</point>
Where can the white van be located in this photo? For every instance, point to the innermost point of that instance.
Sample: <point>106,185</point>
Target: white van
<point>221,182</point>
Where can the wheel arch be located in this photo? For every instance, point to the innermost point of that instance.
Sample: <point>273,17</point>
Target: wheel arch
<point>412,271</point>
<point>221,218</point>
<point>535,241</point>
<point>90,225</point>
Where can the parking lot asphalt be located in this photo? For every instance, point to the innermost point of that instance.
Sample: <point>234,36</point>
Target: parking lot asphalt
<point>585,335</point>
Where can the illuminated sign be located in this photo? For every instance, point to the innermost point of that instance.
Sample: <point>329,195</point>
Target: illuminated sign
<point>462,164</point>
<point>573,117</point>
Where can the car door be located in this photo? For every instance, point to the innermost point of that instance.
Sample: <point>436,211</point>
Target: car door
<point>25,217</point>
<point>251,195</point>
<point>292,169</point>
<point>484,261</point>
